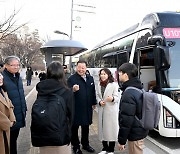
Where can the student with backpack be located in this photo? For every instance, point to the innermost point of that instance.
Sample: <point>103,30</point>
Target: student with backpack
<point>130,107</point>
<point>52,113</point>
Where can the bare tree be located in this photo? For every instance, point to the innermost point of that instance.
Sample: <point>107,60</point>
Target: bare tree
<point>8,26</point>
<point>17,40</point>
<point>26,47</point>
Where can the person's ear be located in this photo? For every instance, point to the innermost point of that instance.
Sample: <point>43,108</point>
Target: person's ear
<point>126,76</point>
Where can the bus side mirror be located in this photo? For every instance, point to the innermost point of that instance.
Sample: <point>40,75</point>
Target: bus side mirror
<point>152,40</point>
<point>159,42</point>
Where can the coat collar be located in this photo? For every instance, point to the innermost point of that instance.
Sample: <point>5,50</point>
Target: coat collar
<point>134,82</point>
<point>4,99</point>
<point>106,89</point>
<point>87,76</point>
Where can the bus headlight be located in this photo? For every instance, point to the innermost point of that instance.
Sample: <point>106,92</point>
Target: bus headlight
<point>168,119</point>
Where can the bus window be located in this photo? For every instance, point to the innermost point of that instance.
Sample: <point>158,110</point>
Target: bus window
<point>115,59</point>
<point>108,62</point>
<point>123,57</point>
<point>98,57</point>
<point>147,58</point>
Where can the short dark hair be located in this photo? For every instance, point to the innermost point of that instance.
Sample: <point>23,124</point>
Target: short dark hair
<point>65,66</point>
<point>82,61</point>
<point>1,65</point>
<point>130,69</point>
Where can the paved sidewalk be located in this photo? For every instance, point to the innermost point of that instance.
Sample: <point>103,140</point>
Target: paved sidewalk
<point>24,141</point>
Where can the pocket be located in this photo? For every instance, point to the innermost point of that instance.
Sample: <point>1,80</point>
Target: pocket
<point>140,143</point>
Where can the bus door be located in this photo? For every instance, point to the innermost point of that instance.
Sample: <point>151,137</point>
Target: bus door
<point>146,68</point>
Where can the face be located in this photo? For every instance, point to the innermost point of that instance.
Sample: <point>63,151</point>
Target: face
<point>1,79</point>
<point>13,66</point>
<point>81,69</point>
<point>103,76</point>
<point>65,69</point>
<point>123,77</point>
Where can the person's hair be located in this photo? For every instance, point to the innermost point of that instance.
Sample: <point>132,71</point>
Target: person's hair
<point>108,72</point>
<point>65,66</point>
<point>87,72</point>
<point>130,69</point>
<point>11,58</point>
<point>29,67</point>
<point>1,65</point>
<point>82,61</point>
<point>55,71</point>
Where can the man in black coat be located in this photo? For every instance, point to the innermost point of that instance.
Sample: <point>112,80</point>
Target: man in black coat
<point>85,100</point>
<point>29,74</point>
<point>130,106</point>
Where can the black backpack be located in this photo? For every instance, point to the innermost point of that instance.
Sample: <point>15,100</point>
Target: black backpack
<point>49,121</point>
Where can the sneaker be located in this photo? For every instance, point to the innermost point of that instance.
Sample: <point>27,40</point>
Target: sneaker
<point>110,152</point>
<point>102,152</point>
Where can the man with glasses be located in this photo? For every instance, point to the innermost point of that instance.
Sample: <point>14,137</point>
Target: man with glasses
<point>14,87</point>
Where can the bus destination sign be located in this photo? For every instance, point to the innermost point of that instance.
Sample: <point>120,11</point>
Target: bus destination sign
<point>171,32</point>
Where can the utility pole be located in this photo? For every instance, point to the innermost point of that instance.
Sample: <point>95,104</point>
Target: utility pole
<point>71,20</point>
<point>70,58</point>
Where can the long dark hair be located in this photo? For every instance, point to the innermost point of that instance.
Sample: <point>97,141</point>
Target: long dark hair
<point>108,72</point>
<point>56,71</point>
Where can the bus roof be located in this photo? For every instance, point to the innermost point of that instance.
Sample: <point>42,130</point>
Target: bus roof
<point>152,20</point>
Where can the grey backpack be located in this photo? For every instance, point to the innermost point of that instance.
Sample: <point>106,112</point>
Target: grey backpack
<point>151,109</point>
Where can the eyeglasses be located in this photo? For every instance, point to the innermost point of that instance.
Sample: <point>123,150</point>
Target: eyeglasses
<point>18,65</point>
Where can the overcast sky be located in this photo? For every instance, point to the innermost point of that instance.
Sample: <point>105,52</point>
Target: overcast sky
<point>108,18</point>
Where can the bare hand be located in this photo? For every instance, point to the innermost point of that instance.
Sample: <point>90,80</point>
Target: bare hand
<point>75,87</point>
<point>12,123</point>
<point>102,103</point>
<point>108,99</point>
<point>121,147</point>
<point>94,107</point>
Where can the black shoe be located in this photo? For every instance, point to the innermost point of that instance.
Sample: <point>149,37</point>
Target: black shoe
<point>88,148</point>
<point>77,151</point>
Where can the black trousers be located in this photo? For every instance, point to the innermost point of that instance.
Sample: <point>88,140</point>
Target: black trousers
<point>13,140</point>
<point>84,136</point>
<point>110,147</point>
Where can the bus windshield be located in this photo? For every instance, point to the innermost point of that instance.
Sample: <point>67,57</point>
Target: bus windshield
<point>174,70</point>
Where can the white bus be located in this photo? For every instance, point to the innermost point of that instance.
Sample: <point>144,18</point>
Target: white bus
<point>153,45</point>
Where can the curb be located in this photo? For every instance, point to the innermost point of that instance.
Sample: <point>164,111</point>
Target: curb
<point>162,147</point>
<point>29,93</point>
